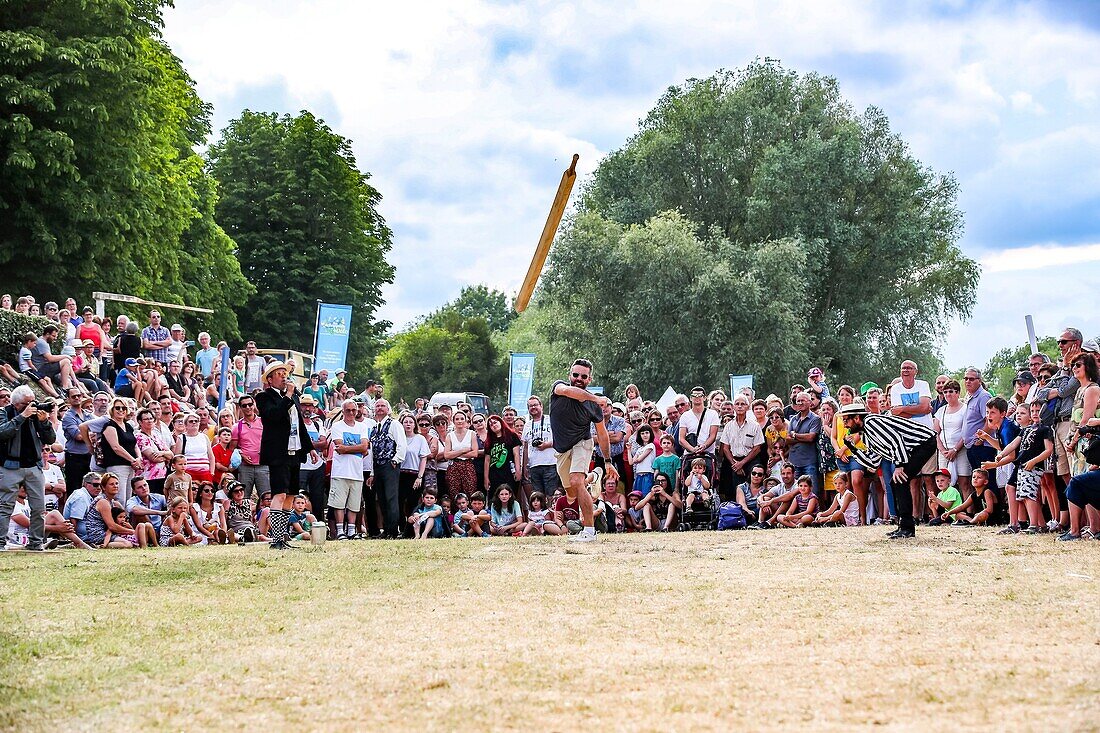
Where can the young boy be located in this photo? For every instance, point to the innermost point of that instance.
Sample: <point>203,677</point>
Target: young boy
<point>300,520</point>
<point>26,365</point>
<point>477,518</point>
<point>634,519</point>
<point>427,519</point>
<point>668,462</point>
<point>1031,449</point>
<point>460,520</point>
<point>979,507</point>
<point>946,498</point>
<point>698,485</point>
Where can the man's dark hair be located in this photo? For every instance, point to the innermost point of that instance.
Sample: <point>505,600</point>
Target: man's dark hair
<point>1000,403</point>
<point>584,363</point>
<point>371,383</point>
<point>30,336</point>
<point>49,329</point>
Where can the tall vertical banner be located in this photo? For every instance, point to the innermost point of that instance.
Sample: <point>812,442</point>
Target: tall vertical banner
<point>521,380</point>
<point>330,346</point>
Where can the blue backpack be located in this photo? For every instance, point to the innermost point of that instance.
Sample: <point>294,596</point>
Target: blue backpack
<point>731,516</point>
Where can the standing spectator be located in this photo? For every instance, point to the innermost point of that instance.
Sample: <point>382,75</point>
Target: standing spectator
<point>177,349</point>
<point>155,339</point>
<point>127,344</point>
<point>1086,406</point>
<point>316,389</point>
<point>205,356</point>
<point>78,456</point>
<point>248,438</point>
<point>388,448</point>
<point>911,398</point>
<point>616,432</point>
<point>698,430</point>
<point>155,452</point>
<point>949,425</point>
<point>254,366</point>
<point>502,449</point>
<point>976,399</point>
<point>119,444</point>
<point>742,442</point>
<point>24,430</point>
<point>411,480</point>
<point>196,447</point>
<point>460,448</point>
<point>538,450</point>
<point>802,435</point>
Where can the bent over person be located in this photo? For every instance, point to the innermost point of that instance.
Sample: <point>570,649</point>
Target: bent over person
<point>24,429</point>
<point>284,447</point>
<point>906,444</point>
<point>573,410</point>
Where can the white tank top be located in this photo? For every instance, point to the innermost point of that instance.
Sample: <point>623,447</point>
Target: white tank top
<point>463,445</point>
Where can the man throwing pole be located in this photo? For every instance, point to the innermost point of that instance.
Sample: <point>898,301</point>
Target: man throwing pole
<point>573,410</point>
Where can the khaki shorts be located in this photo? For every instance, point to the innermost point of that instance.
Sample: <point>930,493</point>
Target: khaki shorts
<point>575,460</point>
<point>1061,435</point>
<point>345,493</point>
<point>932,465</point>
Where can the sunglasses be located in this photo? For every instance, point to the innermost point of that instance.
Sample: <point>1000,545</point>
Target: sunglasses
<point>655,419</point>
<point>757,473</point>
<point>578,376</point>
<point>1078,364</point>
<point>950,391</point>
<point>636,422</point>
<point>970,379</point>
<point>424,424</point>
<point>1062,342</point>
<point>247,404</point>
<point>118,407</point>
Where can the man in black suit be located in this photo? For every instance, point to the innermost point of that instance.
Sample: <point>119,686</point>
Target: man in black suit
<point>284,446</point>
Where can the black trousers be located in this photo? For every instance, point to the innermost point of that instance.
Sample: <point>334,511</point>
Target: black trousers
<point>386,479</point>
<point>76,465</point>
<point>314,484</point>
<point>903,500</point>
<point>407,499</point>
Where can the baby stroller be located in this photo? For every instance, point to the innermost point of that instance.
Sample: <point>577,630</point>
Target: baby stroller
<point>703,514</point>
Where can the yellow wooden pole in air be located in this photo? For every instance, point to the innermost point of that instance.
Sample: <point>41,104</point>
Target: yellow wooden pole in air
<point>548,232</point>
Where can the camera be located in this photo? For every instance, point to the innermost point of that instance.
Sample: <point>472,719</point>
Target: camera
<point>43,406</point>
<point>536,442</point>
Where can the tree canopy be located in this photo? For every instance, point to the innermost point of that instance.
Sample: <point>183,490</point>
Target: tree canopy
<point>765,159</point>
<point>98,175</point>
<point>307,228</point>
<point>478,301</point>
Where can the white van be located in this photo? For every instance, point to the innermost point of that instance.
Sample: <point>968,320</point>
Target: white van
<point>478,402</point>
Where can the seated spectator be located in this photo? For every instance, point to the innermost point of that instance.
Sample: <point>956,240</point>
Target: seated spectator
<point>978,509</point>
<point>775,499</point>
<point>86,367</point>
<point>659,506</point>
<point>945,501</point>
<point>803,506</point>
<point>101,524</point>
<point>697,484</point>
<point>614,503</point>
<point>540,518</point>
<point>427,518</point>
<point>1083,495</point>
<point>263,514</point>
<point>844,510</point>
<point>27,369</point>
<point>176,528</point>
<point>634,519</point>
<point>145,507</point>
<point>506,515</point>
<point>240,517</point>
<point>56,526</point>
<point>301,521</point>
<point>477,518</point>
<point>748,494</point>
<point>80,501</point>
<point>129,536</point>
<point>207,516</point>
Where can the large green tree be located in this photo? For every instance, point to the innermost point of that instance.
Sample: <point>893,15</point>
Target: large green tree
<point>454,355</point>
<point>307,228</point>
<point>100,187</point>
<point>478,301</point>
<point>763,155</point>
<point>658,305</point>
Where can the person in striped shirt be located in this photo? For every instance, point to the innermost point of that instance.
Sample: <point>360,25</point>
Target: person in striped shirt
<point>905,443</point>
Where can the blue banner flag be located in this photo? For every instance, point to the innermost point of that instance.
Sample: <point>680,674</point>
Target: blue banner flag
<point>330,350</point>
<point>521,380</point>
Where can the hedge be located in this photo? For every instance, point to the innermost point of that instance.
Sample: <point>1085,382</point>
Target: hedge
<point>12,328</point>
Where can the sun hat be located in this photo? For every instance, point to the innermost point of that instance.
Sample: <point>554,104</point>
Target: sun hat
<point>272,368</point>
<point>855,407</point>
<point>1090,346</point>
<point>307,400</point>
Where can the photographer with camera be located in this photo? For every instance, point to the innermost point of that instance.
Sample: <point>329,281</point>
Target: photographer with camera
<point>540,463</point>
<point>24,428</point>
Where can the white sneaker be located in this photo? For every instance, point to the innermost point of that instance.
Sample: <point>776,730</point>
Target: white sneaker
<point>340,534</point>
<point>585,535</point>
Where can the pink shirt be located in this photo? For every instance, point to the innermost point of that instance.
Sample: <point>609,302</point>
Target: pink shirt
<point>247,436</point>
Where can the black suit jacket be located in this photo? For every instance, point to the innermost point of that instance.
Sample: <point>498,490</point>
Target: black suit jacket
<point>274,411</point>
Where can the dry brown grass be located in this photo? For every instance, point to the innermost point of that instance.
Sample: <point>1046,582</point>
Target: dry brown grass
<point>826,629</point>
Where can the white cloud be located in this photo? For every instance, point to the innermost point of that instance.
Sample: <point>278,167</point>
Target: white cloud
<point>1039,257</point>
<point>466,113</point>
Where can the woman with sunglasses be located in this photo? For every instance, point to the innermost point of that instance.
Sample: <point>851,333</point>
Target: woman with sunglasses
<point>481,435</point>
<point>1086,410</point>
<point>949,425</point>
<point>748,493</point>
<point>196,447</point>
<point>119,444</point>
<point>207,515</point>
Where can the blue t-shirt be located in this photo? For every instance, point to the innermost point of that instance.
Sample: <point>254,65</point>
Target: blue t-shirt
<point>122,379</point>
<point>205,359</point>
<point>25,359</point>
<point>507,515</point>
<point>157,502</point>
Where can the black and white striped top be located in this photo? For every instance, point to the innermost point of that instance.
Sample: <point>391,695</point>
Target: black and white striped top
<point>891,438</point>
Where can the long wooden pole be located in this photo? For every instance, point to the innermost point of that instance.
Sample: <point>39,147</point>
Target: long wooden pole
<point>548,232</point>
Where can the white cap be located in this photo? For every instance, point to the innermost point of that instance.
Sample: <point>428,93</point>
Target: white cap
<point>176,327</point>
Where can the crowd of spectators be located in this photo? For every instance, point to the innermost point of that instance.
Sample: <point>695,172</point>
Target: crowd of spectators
<point>134,453</point>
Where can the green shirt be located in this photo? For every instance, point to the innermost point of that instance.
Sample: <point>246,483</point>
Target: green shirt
<point>669,465</point>
<point>950,494</point>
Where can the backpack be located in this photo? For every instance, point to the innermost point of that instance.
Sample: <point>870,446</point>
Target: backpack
<point>383,444</point>
<point>731,516</point>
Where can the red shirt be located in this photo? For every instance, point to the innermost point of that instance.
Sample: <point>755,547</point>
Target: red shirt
<point>569,509</point>
<point>222,454</point>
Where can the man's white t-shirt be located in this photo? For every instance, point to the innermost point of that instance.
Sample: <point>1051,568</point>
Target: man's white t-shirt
<point>544,455</point>
<point>903,396</point>
<point>316,430</point>
<point>710,418</point>
<point>349,465</point>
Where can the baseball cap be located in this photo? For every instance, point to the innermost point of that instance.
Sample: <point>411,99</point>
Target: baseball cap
<point>636,494</point>
<point>867,387</point>
<point>943,472</point>
<point>130,362</point>
<point>1024,377</point>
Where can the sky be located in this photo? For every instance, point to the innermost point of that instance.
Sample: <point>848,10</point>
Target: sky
<point>465,115</point>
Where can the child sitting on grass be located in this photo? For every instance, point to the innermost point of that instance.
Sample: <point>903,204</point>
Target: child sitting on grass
<point>803,507</point>
<point>476,519</point>
<point>634,519</point>
<point>427,519</point>
<point>977,510</point>
<point>176,527</point>
<point>945,500</point>
<point>506,517</point>
<point>143,536</point>
<point>460,520</point>
<point>540,518</point>
<point>300,520</point>
<point>845,509</point>
<point>697,485</point>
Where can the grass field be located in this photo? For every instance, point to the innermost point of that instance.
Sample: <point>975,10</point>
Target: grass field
<point>825,629</point>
